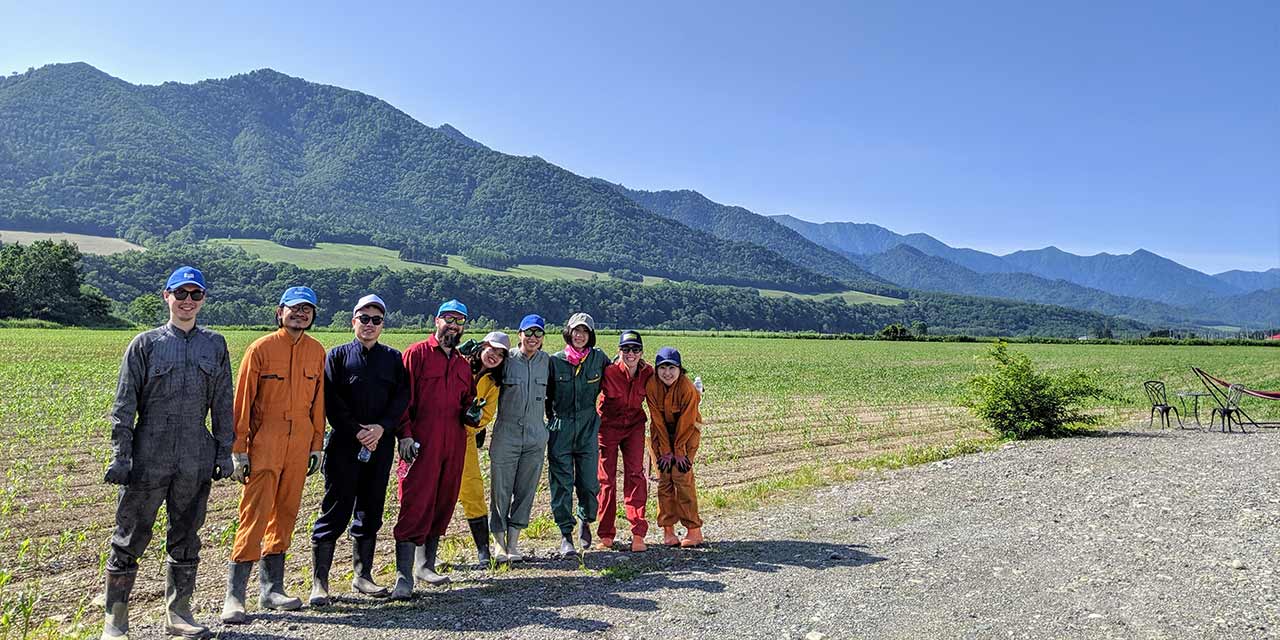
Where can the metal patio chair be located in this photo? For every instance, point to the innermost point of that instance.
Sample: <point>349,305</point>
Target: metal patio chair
<point>1160,402</point>
<point>1229,409</point>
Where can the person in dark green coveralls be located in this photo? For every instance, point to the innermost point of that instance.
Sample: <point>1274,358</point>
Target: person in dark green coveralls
<point>573,450</point>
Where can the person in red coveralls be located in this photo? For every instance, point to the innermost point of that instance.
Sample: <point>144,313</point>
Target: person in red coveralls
<point>433,440</point>
<point>622,428</point>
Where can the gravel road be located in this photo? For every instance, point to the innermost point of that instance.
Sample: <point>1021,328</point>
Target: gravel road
<point>1134,534</point>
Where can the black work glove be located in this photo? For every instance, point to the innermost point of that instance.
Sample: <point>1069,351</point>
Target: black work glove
<point>119,471</point>
<point>666,461</point>
<point>223,467</point>
<point>314,461</point>
<point>470,347</point>
<point>683,464</point>
<point>472,415</point>
<point>480,438</point>
<point>408,452</point>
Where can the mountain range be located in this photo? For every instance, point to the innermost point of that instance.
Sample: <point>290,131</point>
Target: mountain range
<point>1106,283</point>
<point>261,154</point>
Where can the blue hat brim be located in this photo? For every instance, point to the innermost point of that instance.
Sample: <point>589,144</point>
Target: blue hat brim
<point>185,283</point>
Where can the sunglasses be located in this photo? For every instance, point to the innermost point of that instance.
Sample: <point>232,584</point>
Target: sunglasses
<point>631,349</point>
<point>534,333</point>
<point>454,320</point>
<point>365,319</point>
<point>182,294</point>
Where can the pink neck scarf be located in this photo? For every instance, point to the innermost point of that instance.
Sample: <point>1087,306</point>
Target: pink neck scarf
<point>575,356</point>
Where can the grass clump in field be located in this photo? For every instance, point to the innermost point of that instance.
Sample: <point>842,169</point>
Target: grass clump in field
<point>1016,401</point>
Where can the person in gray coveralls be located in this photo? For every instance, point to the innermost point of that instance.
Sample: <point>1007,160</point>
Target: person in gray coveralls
<point>171,378</point>
<point>519,441</point>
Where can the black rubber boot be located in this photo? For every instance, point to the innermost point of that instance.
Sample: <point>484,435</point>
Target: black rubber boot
<point>119,586</point>
<point>179,584</point>
<point>362,565</point>
<point>321,562</point>
<point>425,560</point>
<point>584,534</point>
<point>480,534</point>
<point>566,545</point>
<point>405,555</point>
<point>271,593</point>
<point>237,582</point>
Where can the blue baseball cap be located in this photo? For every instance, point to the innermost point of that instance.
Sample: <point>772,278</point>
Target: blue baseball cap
<point>454,306</point>
<point>667,355</point>
<point>533,320</point>
<point>184,276</point>
<point>299,295</point>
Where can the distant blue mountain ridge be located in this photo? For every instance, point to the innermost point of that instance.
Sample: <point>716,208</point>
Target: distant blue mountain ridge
<point>1141,274</point>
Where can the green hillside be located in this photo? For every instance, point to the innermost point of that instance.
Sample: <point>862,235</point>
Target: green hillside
<point>696,211</point>
<point>264,155</point>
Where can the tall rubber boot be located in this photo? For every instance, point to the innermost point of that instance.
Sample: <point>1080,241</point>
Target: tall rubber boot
<point>566,545</point>
<point>321,562</point>
<point>362,568</point>
<point>425,563</point>
<point>584,534</point>
<point>500,546</point>
<point>405,555</point>
<point>480,535</point>
<point>513,545</point>
<point>669,536</point>
<point>271,593</point>
<point>119,586</point>
<point>237,582</point>
<point>692,538</point>
<point>179,584</point>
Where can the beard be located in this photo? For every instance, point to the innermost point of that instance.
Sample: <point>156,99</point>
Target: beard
<point>450,339</point>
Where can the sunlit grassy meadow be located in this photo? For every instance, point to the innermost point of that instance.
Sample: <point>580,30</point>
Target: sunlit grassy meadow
<point>774,408</point>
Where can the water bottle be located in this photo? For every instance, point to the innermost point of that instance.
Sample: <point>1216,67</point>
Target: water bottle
<point>697,383</point>
<point>364,454</point>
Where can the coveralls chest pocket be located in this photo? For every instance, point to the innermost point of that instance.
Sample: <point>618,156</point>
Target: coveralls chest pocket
<point>208,374</point>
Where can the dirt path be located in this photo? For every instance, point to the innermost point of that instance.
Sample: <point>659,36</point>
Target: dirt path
<point>1137,534</point>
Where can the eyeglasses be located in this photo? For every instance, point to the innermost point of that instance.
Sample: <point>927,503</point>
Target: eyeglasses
<point>454,320</point>
<point>631,349</point>
<point>534,333</point>
<point>181,294</point>
<point>302,307</point>
<point>365,319</point>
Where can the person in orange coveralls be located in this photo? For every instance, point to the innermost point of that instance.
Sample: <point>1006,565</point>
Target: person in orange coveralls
<point>675,432</point>
<point>433,440</point>
<point>279,413</point>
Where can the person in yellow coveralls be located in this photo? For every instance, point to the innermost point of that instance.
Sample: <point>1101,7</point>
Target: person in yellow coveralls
<point>487,358</point>
<point>279,415</point>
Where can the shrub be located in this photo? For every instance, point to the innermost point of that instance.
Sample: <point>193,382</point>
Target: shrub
<point>894,331</point>
<point>1016,401</point>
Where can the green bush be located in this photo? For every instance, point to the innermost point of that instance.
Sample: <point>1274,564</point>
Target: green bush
<point>1016,401</point>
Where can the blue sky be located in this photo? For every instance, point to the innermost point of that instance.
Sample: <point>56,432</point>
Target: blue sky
<point>993,125</point>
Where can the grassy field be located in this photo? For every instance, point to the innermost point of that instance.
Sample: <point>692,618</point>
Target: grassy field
<point>850,297</point>
<point>336,255</point>
<point>774,409</point>
<point>101,245</point>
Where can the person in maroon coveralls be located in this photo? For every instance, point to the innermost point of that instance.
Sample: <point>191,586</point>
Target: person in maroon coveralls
<point>622,422</point>
<point>433,441</point>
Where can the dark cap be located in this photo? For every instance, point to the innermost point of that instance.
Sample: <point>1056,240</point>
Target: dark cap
<point>630,338</point>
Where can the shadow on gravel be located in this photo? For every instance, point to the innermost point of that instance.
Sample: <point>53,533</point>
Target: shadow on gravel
<point>615,580</point>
